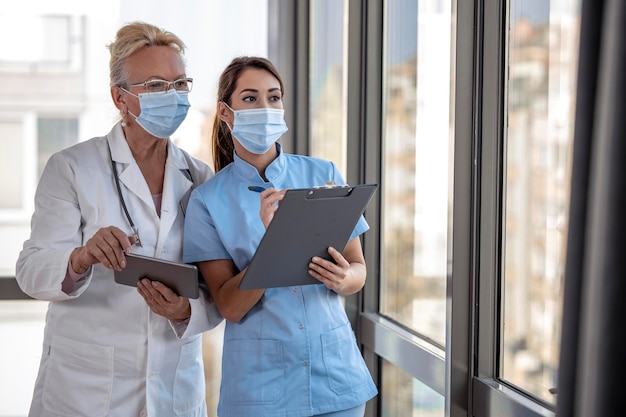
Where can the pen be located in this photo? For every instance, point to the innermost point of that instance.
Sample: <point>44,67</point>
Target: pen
<point>256,188</point>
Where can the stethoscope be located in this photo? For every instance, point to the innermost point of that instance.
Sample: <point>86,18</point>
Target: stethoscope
<point>119,192</point>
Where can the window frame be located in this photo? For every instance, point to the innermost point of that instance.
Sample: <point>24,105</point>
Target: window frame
<point>471,385</point>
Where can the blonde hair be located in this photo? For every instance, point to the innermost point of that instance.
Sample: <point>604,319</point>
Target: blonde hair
<point>132,37</point>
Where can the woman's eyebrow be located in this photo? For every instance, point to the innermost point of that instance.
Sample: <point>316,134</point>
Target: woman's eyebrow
<point>160,77</point>
<point>254,90</point>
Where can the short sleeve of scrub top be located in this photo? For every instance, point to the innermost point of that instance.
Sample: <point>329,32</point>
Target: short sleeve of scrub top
<point>201,241</point>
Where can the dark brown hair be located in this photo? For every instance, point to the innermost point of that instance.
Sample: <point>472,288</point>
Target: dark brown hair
<point>222,140</point>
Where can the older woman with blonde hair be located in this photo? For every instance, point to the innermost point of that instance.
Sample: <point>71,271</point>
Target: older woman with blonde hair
<point>109,349</point>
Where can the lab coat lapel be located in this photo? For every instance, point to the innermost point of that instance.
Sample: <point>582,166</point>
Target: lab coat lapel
<point>176,186</point>
<point>128,171</point>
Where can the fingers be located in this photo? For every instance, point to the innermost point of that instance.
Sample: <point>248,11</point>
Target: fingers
<point>132,240</point>
<point>325,269</point>
<point>162,300</point>
<point>155,293</point>
<point>331,274</point>
<point>270,201</point>
<point>272,195</point>
<point>107,247</point>
<point>338,267</point>
<point>338,257</point>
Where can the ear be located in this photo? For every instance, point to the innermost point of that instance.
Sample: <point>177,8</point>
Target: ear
<point>224,113</point>
<point>118,99</point>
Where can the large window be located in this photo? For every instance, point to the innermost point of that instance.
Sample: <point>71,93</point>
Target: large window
<point>416,194</point>
<point>542,61</point>
<point>327,95</point>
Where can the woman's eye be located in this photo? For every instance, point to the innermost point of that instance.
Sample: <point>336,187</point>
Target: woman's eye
<point>156,85</point>
<point>182,85</point>
<point>249,99</point>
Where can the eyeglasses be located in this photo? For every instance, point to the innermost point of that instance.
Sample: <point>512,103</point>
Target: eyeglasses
<point>183,85</point>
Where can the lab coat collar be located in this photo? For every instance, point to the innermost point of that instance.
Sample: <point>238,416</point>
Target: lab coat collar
<point>120,151</point>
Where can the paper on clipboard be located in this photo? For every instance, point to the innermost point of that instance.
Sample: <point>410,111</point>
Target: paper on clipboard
<point>308,221</point>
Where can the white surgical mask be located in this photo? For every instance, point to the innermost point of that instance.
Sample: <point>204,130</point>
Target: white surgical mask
<point>161,113</point>
<point>258,129</point>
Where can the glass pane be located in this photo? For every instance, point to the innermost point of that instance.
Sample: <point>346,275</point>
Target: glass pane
<point>10,164</point>
<point>54,134</point>
<point>47,39</point>
<point>326,83</point>
<point>405,396</point>
<point>417,164</point>
<point>542,61</point>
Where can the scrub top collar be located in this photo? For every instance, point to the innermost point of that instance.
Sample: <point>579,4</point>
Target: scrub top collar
<point>274,170</point>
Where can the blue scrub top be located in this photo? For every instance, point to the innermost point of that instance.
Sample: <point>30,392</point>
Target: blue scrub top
<point>294,353</point>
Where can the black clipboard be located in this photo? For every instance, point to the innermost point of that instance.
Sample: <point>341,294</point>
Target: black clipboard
<point>308,221</point>
<point>180,278</point>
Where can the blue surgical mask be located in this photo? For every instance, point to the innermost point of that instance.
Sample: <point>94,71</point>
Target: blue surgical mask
<point>258,129</point>
<point>161,113</point>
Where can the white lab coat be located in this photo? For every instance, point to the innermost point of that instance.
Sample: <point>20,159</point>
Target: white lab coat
<point>105,353</point>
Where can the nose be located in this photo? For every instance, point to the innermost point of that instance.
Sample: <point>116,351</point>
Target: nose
<point>263,102</point>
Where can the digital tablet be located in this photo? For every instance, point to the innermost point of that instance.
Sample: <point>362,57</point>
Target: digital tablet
<point>181,278</point>
<point>307,222</point>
